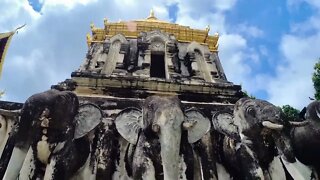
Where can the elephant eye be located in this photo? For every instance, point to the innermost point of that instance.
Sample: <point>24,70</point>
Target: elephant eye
<point>251,111</point>
<point>0,125</point>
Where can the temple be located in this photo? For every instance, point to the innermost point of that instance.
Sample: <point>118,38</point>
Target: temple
<point>149,101</point>
<point>140,58</point>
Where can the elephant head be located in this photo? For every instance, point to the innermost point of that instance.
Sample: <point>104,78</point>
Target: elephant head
<point>249,118</point>
<point>7,120</point>
<point>164,118</point>
<point>306,139</point>
<point>257,127</point>
<point>49,122</point>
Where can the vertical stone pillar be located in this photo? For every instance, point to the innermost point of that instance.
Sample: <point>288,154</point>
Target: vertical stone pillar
<point>112,58</point>
<point>216,60</point>
<point>96,52</point>
<point>147,62</point>
<point>167,60</point>
<point>202,67</point>
<point>170,55</point>
<point>207,68</point>
<point>123,50</point>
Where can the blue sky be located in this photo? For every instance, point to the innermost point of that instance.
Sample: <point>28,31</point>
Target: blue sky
<point>269,47</point>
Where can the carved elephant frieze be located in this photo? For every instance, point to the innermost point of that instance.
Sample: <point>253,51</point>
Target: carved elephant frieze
<point>305,138</point>
<point>254,140</point>
<point>156,132</point>
<point>57,137</point>
<point>53,136</point>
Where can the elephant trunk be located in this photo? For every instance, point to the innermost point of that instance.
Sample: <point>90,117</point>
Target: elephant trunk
<point>170,147</point>
<point>15,163</point>
<point>283,143</point>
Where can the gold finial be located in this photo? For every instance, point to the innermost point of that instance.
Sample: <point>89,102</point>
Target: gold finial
<point>151,15</point>
<point>208,28</point>
<point>105,21</point>
<point>92,26</point>
<point>216,47</point>
<point>89,39</point>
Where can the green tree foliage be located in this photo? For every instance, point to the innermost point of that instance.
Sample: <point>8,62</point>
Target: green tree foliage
<point>316,80</point>
<point>246,94</point>
<point>289,113</point>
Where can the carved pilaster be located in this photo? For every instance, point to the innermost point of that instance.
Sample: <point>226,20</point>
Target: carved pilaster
<point>124,48</point>
<point>96,52</point>
<point>147,59</point>
<point>106,47</point>
<point>216,60</point>
<point>141,60</point>
<point>112,58</point>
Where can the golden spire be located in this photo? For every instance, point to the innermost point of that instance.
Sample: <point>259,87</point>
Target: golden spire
<point>132,29</point>
<point>151,16</point>
<point>92,26</point>
<point>208,28</point>
<point>89,39</point>
<point>105,21</point>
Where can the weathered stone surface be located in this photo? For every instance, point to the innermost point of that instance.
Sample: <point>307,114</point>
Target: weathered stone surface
<point>151,106</point>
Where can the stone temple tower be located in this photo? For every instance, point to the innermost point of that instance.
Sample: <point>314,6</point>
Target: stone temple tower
<point>147,90</point>
<point>130,61</point>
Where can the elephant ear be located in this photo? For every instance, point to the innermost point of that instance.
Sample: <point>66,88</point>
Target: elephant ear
<point>129,123</point>
<point>200,125</point>
<point>223,122</point>
<point>88,117</point>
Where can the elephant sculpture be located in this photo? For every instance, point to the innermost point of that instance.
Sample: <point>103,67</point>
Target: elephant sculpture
<point>253,140</point>
<point>306,139</point>
<point>53,136</point>
<point>8,119</point>
<point>156,138</point>
<point>204,147</point>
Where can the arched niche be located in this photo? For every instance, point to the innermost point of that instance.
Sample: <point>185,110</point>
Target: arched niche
<point>196,46</point>
<point>118,37</point>
<point>114,56</point>
<point>96,56</point>
<point>199,64</point>
<point>157,55</point>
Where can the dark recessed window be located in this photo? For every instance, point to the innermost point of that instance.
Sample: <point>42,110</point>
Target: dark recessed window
<point>157,68</point>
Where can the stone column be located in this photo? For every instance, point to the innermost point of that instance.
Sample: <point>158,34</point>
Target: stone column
<point>216,60</point>
<point>147,62</point>
<point>112,58</point>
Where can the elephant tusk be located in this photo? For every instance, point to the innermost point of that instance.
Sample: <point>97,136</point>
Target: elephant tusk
<point>188,124</point>
<point>271,125</point>
<point>318,114</point>
<point>155,128</point>
<point>10,112</point>
<point>298,124</point>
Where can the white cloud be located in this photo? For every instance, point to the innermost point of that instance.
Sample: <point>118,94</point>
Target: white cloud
<point>216,21</point>
<point>196,8</point>
<point>309,26</point>
<point>292,84</point>
<point>295,3</point>
<point>238,60</point>
<point>53,44</point>
<point>224,4</point>
<point>15,13</point>
<point>263,50</point>
<point>249,30</point>
<point>69,4</point>
<point>236,55</point>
